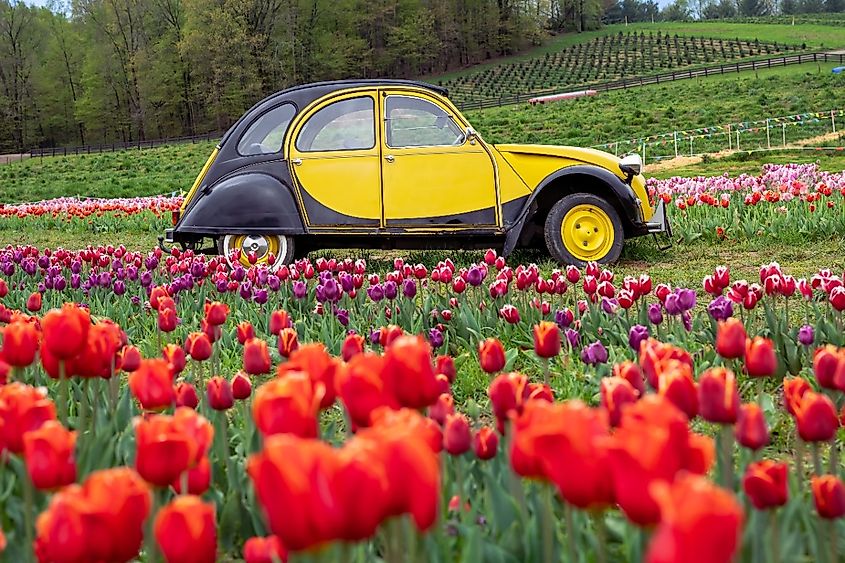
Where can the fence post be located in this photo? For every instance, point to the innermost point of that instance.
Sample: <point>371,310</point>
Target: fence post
<point>833,120</point>
<point>737,139</point>
<point>675,136</point>
<point>644,159</point>
<point>730,141</point>
<point>783,131</point>
<point>768,139</point>
<point>690,145</point>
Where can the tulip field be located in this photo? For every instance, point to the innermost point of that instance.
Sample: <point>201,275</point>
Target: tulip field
<point>165,406</point>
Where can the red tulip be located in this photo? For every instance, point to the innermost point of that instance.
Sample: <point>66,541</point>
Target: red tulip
<point>677,385</point>
<point>245,331</point>
<point>199,479</point>
<point>288,342</point>
<point>446,366</point>
<point>816,418</point>
<point>22,409</point>
<point>829,496</point>
<point>198,346</point>
<point>457,438</point>
<point>760,358</point>
<point>219,393</point>
<point>361,388</point>
<point>256,357</point>
<point>167,320</point>
<point>287,404</point>
<point>265,550</point>
<point>314,360</point>
<point>443,407</point>
<point>49,455</point>
<point>163,452</point>
<point>279,320</point>
<point>65,330</point>
<point>175,356</point>
<point>241,386</point>
<point>130,359</point>
<point>632,373</point>
<point>485,443</point>
<point>186,395</point>
<point>699,523</point>
<point>718,396</point>
<point>730,338</point>
<point>829,366</point>
<point>793,390</point>
<point>353,344</point>
<point>546,339</point>
<point>491,355</point>
<point>33,303</point>
<point>766,484</point>
<point>409,373</point>
<point>751,430</point>
<point>615,393</point>
<point>186,530</point>
<point>20,342</point>
<point>216,313</point>
<point>156,295</point>
<point>152,384</point>
<point>656,357</point>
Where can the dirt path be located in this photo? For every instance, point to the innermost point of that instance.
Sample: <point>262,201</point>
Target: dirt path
<point>7,158</point>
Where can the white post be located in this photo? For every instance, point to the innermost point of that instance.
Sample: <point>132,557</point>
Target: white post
<point>768,137</point>
<point>675,136</point>
<point>690,145</point>
<point>644,161</point>
<point>784,134</point>
<point>730,142</point>
<point>832,120</point>
<point>737,139</point>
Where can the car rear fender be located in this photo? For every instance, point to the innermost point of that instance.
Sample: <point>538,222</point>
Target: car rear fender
<point>250,202</point>
<point>575,179</point>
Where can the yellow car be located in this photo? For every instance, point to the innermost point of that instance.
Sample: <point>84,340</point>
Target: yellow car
<point>393,164</point>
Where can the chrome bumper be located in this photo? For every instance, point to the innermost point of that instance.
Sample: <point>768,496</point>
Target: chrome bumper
<point>168,235</point>
<point>659,222</point>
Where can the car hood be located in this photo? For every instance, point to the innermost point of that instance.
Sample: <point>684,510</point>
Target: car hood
<point>587,156</point>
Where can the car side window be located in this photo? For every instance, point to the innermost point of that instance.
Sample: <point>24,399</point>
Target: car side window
<point>266,134</point>
<point>345,125</point>
<point>415,122</point>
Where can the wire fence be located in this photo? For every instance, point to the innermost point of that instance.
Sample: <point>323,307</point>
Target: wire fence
<point>770,133</point>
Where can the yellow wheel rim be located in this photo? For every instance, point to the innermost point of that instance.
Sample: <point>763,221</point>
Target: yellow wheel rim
<point>262,246</point>
<point>587,232</point>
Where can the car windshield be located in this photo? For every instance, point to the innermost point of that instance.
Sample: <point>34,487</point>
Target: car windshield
<point>266,134</point>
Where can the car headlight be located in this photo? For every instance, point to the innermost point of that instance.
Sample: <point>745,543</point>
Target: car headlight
<point>631,165</point>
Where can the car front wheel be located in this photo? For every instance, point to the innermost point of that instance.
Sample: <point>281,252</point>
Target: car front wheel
<point>583,228</point>
<point>248,250</point>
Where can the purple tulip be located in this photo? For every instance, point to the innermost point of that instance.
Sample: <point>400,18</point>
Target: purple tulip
<point>475,276</point>
<point>29,266</point>
<point>198,269</point>
<point>59,284</point>
<point>342,316</point>
<point>375,337</point>
<point>151,262</point>
<point>135,300</point>
<point>263,274</point>
<point>119,288</point>
<point>391,290</point>
<point>273,282</point>
<point>594,354</point>
<point>346,282</point>
<point>222,286</point>
<point>238,274</point>
<point>409,289</point>
<point>636,335</point>
<point>76,266</point>
<point>75,281</point>
<point>375,292</point>
<point>564,318</point>
<point>673,304</point>
<point>686,298</point>
<point>686,319</point>
<point>146,279</point>
<point>721,308</point>
<point>260,296</point>
<point>655,313</point>
<point>435,337</point>
<point>246,290</point>
<point>116,264</point>
<point>49,282</point>
<point>300,290</point>
<point>572,337</point>
<point>331,290</point>
<point>43,262</point>
<point>42,287</point>
<point>609,306</point>
<point>806,335</point>
<point>8,268</point>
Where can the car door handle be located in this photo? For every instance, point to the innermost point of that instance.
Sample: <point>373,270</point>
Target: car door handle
<point>389,158</point>
<point>297,161</point>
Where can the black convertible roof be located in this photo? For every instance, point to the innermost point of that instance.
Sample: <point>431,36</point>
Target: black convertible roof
<point>304,94</point>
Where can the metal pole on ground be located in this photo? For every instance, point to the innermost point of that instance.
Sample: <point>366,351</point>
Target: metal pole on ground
<point>768,138</point>
<point>833,120</point>
<point>675,136</point>
<point>783,131</point>
<point>730,142</point>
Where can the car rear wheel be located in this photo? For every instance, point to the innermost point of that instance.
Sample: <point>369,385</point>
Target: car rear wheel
<point>583,228</point>
<point>247,250</point>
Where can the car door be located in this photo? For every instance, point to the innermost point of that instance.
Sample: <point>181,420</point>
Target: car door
<point>335,161</point>
<point>432,175</point>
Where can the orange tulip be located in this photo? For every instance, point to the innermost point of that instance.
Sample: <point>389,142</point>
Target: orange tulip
<point>760,358</point>
<point>507,394</point>
<point>353,345</point>
<point>699,522</point>
<point>65,330</point>
<point>652,445</point>
<point>288,404</point>
<point>216,313</point>
<point>360,387</point>
<point>546,339</point>
<point>279,320</point>
<point>186,531</point>
<point>615,393</point>
<point>265,550</point>
<point>152,384</point>
<point>829,496</point>
<point>22,409</point>
<point>633,374</point>
<point>162,451</point>
<point>766,484</point>
<point>718,396</point>
<point>730,338</point>
<point>409,373</point>
<point>565,443</point>
<point>101,520</point>
<point>321,368</point>
<point>656,357</point>
<point>491,355</point>
<point>20,342</point>
<point>198,346</point>
<point>288,342</point>
<point>793,390</point>
<point>156,294</point>
<point>751,430</point>
<point>815,417</point>
<point>245,331</point>
<point>49,455</point>
<point>256,357</point>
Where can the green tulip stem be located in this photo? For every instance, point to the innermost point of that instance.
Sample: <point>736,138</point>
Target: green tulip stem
<point>84,407</point>
<point>834,458</point>
<point>759,549</point>
<point>726,444</point>
<point>832,539</point>
<point>547,379</point>
<point>799,461</point>
<point>601,537</point>
<point>149,540</point>
<point>774,524</point>
<point>547,523</point>
<point>63,394</point>
<point>571,540</point>
<point>817,459</point>
<point>28,510</point>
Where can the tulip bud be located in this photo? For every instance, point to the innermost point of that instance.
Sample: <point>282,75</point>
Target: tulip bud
<point>256,357</point>
<point>491,355</point>
<point>730,338</point>
<point>828,361</point>
<point>445,365</point>
<point>633,374</point>
<point>760,358</point>
<point>485,443</point>
<point>186,395</point>
<point>616,392</point>
<point>442,408</point>
<point>219,394</point>
<point>241,386</point>
<point>49,455</point>
<point>33,303</point>
<point>829,496</point>
<point>546,339</point>
<point>288,342</point>
<point>199,479</point>
<point>264,550</point>
<point>279,320</point>
<point>765,483</point>
<point>130,359</point>
<point>816,418</point>
<point>718,396</point>
<point>245,331</point>
<point>751,430</point>
<point>198,346</point>
<point>457,438</point>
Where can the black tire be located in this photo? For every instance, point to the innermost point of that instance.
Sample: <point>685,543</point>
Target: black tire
<point>287,257</point>
<point>554,221</point>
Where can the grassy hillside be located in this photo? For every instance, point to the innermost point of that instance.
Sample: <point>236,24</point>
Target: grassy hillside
<point>659,108</point>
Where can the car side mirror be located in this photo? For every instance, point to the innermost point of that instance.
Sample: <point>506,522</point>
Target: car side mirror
<point>470,135</point>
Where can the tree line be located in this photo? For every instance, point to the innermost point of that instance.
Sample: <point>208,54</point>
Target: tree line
<point>632,11</point>
<point>100,71</point>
